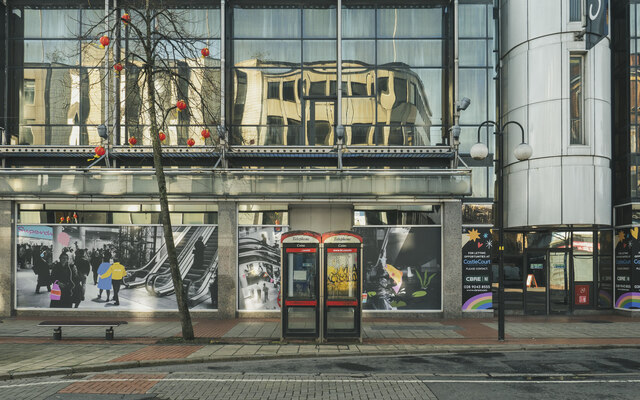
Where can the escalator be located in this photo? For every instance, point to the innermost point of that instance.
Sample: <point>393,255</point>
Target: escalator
<point>199,278</point>
<point>159,261</point>
<point>160,283</point>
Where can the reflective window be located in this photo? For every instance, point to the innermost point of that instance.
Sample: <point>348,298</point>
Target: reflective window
<point>58,68</point>
<point>576,105</point>
<point>391,81</point>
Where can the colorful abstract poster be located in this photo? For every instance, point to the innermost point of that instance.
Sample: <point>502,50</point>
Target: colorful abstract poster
<point>259,267</point>
<point>76,260</point>
<point>476,269</point>
<point>401,268</point>
<point>627,264</point>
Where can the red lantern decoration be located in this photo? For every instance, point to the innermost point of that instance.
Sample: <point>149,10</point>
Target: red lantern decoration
<point>99,151</point>
<point>181,105</point>
<point>126,18</point>
<point>205,133</point>
<point>162,136</point>
<point>191,142</point>
<point>61,220</point>
<point>132,141</point>
<point>118,67</point>
<point>205,52</point>
<point>104,41</point>
<point>68,219</point>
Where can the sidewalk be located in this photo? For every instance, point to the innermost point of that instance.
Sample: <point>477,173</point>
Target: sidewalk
<point>29,350</point>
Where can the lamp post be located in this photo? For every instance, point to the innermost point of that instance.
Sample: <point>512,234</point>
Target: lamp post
<point>479,151</point>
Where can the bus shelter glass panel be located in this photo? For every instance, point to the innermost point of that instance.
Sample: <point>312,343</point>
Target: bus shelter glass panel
<point>342,289</point>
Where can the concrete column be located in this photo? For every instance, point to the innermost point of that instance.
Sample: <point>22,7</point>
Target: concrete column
<point>452,259</point>
<point>227,259</point>
<point>6,260</point>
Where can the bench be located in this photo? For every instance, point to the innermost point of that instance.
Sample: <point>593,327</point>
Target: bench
<point>57,330</point>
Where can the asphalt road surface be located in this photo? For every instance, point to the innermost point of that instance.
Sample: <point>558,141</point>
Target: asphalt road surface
<point>574,374</point>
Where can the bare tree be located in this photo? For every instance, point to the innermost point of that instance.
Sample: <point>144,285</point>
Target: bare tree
<point>158,67</point>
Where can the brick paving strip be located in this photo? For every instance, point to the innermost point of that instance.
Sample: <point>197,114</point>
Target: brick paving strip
<point>115,384</point>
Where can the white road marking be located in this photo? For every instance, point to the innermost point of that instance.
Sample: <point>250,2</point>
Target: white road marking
<point>557,380</point>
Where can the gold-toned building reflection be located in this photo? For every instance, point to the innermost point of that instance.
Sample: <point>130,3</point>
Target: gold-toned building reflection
<point>275,104</point>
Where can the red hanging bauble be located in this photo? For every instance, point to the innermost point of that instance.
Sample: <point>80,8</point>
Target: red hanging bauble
<point>126,18</point>
<point>205,133</point>
<point>191,142</point>
<point>132,141</point>
<point>99,151</point>
<point>104,41</point>
<point>118,67</point>
<point>162,136</point>
<point>181,105</point>
<point>205,52</point>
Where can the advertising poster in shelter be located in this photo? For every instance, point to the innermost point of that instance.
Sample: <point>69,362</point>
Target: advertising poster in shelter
<point>401,268</point>
<point>259,267</point>
<point>476,269</point>
<point>627,259</point>
<point>76,266</point>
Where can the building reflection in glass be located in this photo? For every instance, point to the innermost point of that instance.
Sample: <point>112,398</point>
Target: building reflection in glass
<point>276,105</point>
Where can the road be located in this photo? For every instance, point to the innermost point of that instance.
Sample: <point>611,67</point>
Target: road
<point>600,374</point>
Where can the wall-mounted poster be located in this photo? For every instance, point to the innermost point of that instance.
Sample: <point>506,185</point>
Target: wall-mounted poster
<point>259,267</point>
<point>401,268</point>
<point>476,269</point>
<point>627,264</point>
<point>114,267</point>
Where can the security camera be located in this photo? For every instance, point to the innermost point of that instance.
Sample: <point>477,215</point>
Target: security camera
<point>463,104</point>
<point>102,131</point>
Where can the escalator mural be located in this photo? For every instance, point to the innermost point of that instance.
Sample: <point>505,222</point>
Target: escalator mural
<point>259,267</point>
<point>72,255</point>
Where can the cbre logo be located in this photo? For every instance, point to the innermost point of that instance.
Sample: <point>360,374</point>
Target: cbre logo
<point>593,15</point>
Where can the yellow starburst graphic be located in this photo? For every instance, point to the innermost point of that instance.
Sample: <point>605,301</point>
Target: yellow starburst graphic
<point>621,236</point>
<point>473,235</point>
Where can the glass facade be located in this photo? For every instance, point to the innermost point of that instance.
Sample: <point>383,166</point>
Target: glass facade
<point>62,84</point>
<point>285,67</point>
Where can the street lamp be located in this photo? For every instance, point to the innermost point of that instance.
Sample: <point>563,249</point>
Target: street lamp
<point>479,151</point>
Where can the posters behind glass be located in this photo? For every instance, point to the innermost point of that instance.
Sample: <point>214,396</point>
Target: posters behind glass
<point>73,255</point>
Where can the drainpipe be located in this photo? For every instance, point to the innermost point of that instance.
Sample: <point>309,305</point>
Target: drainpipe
<point>456,89</point>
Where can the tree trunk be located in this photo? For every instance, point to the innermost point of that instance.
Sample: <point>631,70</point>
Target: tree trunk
<point>181,296</point>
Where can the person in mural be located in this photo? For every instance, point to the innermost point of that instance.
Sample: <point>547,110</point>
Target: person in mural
<point>42,269</point>
<point>117,272</point>
<point>96,258</point>
<point>104,283</point>
<point>265,293</point>
<point>84,268</point>
<point>198,254</point>
<point>62,274</point>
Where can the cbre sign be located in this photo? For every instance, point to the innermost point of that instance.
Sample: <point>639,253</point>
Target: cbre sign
<point>597,13</point>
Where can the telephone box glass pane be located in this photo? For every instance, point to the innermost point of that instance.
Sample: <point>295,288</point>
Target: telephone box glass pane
<point>301,275</point>
<point>301,318</point>
<point>341,318</point>
<point>342,274</point>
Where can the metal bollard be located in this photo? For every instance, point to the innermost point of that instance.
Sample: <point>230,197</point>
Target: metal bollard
<point>109,334</point>
<point>57,333</point>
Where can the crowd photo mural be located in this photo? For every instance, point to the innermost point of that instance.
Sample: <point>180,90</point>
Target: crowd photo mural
<point>259,267</point>
<point>401,267</point>
<point>114,267</point>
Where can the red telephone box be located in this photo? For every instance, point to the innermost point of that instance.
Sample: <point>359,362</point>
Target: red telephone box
<point>342,261</point>
<point>299,289</point>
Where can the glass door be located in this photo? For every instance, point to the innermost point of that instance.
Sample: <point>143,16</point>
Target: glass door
<point>342,312</point>
<point>559,293</point>
<point>535,299</point>
<point>300,292</point>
